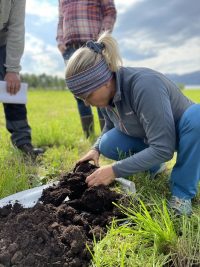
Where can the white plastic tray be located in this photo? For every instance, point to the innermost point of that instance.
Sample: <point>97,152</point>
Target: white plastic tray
<point>27,198</point>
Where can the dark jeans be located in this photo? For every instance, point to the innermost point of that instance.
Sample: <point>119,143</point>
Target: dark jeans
<point>15,114</point>
<point>82,108</point>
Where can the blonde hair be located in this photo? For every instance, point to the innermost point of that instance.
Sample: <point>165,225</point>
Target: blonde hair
<point>85,57</point>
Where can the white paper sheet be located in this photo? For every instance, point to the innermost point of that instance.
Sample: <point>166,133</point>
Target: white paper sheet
<point>19,98</point>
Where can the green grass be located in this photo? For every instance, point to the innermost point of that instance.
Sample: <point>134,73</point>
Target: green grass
<point>193,94</point>
<point>55,124</point>
<point>153,237</point>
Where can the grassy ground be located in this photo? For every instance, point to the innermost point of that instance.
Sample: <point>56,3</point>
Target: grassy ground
<point>55,124</point>
<point>152,237</point>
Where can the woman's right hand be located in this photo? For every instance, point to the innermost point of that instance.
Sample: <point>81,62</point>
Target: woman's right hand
<point>93,155</point>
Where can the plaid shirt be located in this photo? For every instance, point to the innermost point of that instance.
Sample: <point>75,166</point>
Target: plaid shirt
<point>83,20</point>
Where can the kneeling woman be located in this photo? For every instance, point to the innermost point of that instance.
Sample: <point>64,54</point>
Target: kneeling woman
<point>147,119</point>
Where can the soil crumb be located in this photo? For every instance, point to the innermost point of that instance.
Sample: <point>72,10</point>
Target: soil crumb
<point>55,231</point>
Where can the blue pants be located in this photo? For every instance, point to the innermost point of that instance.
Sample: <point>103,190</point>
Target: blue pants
<point>82,108</point>
<point>15,114</point>
<point>117,146</point>
<point>186,172</point>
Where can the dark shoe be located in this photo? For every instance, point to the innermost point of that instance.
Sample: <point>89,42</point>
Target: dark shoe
<point>29,150</point>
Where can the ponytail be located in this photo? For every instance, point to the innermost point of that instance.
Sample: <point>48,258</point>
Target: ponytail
<point>86,57</point>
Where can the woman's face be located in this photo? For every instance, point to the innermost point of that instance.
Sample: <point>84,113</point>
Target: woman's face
<point>101,97</point>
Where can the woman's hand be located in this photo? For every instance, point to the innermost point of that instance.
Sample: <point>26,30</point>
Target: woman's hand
<point>93,155</point>
<point>104,175</point>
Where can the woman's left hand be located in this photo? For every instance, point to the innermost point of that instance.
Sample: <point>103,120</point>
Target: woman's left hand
<point>104,175</point>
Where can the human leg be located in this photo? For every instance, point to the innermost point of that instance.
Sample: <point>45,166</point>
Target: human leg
<point>86,116</point>
<point>117,145</point>
<point>16,118</point>
<point>186,172</point>
<point>17,124</point>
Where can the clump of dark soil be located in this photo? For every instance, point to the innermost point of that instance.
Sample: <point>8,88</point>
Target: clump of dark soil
<point>55,231</point>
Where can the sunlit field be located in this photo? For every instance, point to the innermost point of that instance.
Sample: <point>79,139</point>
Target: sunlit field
<point>152,237</point>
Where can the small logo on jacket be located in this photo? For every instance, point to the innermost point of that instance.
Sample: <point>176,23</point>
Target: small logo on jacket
<point>129,113</point>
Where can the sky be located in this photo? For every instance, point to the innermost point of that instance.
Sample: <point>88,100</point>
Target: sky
<point>158,34</point>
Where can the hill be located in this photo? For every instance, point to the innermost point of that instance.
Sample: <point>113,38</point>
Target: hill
<point>192,78</point>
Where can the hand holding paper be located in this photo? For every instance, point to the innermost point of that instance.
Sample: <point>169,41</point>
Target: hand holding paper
<point>19,98</point>
<point>13,82</point>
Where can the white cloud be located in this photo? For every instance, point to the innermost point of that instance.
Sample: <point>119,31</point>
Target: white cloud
<point>41,58</point>
<point>182,59</point>
<point>44,9</point>
<point>140,43</point>
<point>123,5</point>
<point>42,55</point>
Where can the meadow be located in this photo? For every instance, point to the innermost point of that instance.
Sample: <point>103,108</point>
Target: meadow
<point>152,236</point>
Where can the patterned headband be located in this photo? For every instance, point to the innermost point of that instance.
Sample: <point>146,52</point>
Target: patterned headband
<point>89,80</point>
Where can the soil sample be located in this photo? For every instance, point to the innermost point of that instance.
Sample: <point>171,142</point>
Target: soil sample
<point>55,231</point>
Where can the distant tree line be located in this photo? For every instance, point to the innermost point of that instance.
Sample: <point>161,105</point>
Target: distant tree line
<point>181,86</point>
<point>44,81</point>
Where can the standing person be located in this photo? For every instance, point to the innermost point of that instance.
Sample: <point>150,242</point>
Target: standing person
<point>80,21</point>
<point>12,15</point>
<point>146,117</point>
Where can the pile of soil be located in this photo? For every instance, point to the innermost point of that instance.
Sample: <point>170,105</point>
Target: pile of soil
<point>56,230</point>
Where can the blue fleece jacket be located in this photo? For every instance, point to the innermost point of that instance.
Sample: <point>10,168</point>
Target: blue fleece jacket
<point>149,106</point>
